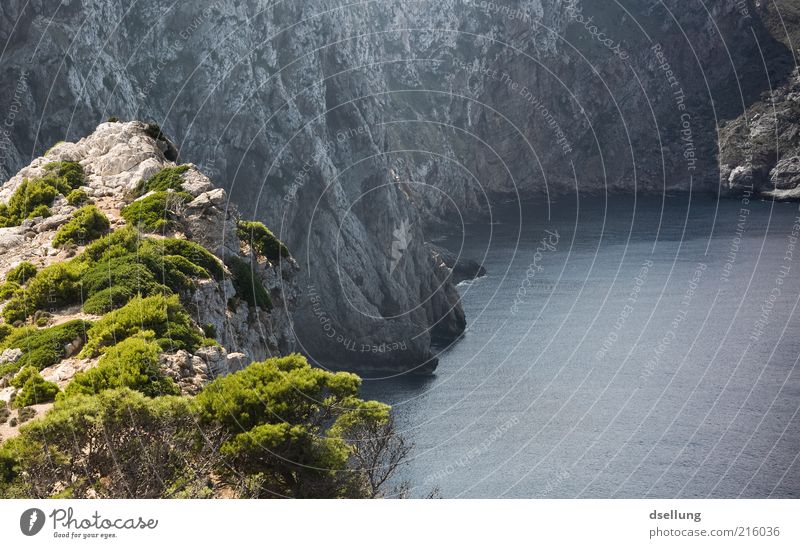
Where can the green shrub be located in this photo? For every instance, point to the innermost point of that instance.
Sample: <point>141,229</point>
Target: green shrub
<point>29,200</point>
<point>110,272</point>
<point>43,347</point>
<point>169,178</point>
<point>33,388</point>
<point>194,252</point>
<point>41,210</point>
<point>132,363</point>
<point>77,197</point>
<point>261,240</point>
<point>26,413</point>
<point>113,119</point>
<point>21,273</point>
<point>247,286</point>
<point>33,197</point>
<point>118,243</point>
<point>88,223</point>
<point>164,316</point>
<point>8,290</point>
<point>156,211</point>
<point>71,172</point>
<point>53,286</point>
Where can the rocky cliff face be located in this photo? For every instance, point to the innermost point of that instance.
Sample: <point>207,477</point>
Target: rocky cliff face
<point>115,159</point>
<point>355,130</point>
<point>759,151</point>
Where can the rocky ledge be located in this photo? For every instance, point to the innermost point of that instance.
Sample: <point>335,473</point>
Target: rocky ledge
<point>111,223</point>
<point>760,150</point>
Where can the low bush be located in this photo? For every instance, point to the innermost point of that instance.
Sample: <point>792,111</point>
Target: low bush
<point>8,290</point>
<point>33,388</point>
<point>169,178</point>
<point>132,363</point>
<point>163,315</point>
<point>42,347</point>
<point>247,286</point>
<point>78,197</point>
<point>21,273</point>
<point>261,240</point>
<point>33,197</point>
<point>110,272</point>
<point>71,172</point>
<point>88,223</point>
<point>158,211</point>
<point>26,413</point>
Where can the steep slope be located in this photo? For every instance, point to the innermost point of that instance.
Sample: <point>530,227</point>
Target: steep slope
<point>356,129</point>
<point>760,150</point>
<point>164,257</point>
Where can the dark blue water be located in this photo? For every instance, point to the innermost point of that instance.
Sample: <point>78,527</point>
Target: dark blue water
<point>649,349</point>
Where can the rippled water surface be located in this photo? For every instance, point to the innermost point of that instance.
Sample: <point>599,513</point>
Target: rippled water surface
<point>648,350</point>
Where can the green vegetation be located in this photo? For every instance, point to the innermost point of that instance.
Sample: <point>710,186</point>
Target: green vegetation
<point>71,172</point>
<point>56,285</point>
<point>25,414</point>
<point>33,388</point>
<point>133,363</point>
<point>113,119</point>
<point>247,286</point>
<point>33,197</point>
<point>110,272</point>
<point>88,223</point>
<point>78,197</point>
<point>155,212</point>
<point>21,273</point>
<point>163,317</point>
<point>279,428</point>
<point>8,290</point>
<point>261,240</point>
<point>42,347</point>
<point>169,178</point>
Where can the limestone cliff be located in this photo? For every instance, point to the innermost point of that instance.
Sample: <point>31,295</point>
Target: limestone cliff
<point>356,130</point>
<point>114,162</point>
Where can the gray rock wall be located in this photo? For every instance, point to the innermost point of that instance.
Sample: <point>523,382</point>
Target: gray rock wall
<point>356,130</point>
